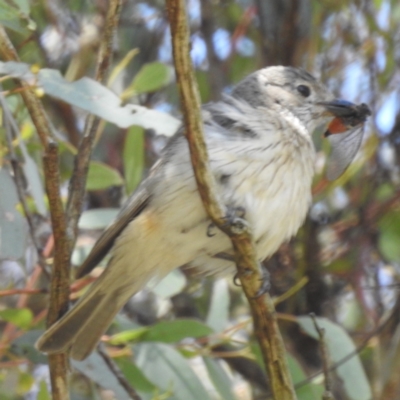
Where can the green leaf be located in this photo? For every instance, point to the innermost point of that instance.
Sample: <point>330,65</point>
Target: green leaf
<point>133,157</point>
<point>389,237</point>
<point>96,369</point>
<point>101,176</point>
<point>127,336</point>
<point>340,346</point>
<point>43,393</point>
<point>218,313</point>
<point>10,17</point>
<point>98,218</point>
<point>23,6</point>
<point>134,375</point>
<point>13,227</point>
<point>150,78</point>
<point>35,183</point>
<point>20,317</point>
<point>93,97</point>
<point>308,391</point>
<point>25,382</point>
<point>176,330</point>
<point>219,378</point>
<point>166,368</point>
<point>24,346</point>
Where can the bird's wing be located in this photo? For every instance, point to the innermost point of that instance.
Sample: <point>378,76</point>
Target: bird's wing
<point>133,207</point>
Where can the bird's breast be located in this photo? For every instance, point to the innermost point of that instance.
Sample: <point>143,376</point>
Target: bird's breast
<point>275,192</point>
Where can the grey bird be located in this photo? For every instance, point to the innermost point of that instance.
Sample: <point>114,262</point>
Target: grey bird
<point>262,156</point>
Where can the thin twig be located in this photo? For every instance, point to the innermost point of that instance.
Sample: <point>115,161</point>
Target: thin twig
<point>118,373</point>
<point>12,292</point>
<point>263,312</point>
<point>327,395</point>
<point>82,159</point>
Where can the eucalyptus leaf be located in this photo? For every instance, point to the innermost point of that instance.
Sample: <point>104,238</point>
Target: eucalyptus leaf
<point>133,157</point>
<point>20,317</point>
<point>176,330</point>
<point>340,345</point>
<point>98,218</point>
<point>96,369</point>
<point>93,97</point>
<point>13,227</point>
<point>10,17</point>
<point>151,77</point>
<point>170,371</point>
<point>219,378</point>
<point>218,312</point>
<point>102,176</point>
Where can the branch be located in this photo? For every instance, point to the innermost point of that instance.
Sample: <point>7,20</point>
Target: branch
<point>263,312</point>
<point>78,179</point>
<point>60,278</point>
<point>59,288</point>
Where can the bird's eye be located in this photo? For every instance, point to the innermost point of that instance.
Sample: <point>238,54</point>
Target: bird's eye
<point>304,90</point>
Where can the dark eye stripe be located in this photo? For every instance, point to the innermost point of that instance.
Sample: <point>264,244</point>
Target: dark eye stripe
<point>304,90</point>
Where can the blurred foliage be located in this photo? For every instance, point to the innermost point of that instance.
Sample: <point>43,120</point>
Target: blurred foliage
<point>190,338</point>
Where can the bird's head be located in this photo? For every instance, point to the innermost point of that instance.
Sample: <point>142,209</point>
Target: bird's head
<point>290,89</point>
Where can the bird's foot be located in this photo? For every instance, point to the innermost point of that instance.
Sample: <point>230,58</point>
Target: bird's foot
<point>265,282</point>
<point>234,219</point>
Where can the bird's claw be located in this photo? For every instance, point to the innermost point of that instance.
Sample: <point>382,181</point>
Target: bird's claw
<point>210,228</point>
<point>235,219</point>
<point>265,283</point>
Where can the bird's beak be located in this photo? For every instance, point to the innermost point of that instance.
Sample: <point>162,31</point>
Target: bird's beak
<point>346,115</point>
<point>339,108</point>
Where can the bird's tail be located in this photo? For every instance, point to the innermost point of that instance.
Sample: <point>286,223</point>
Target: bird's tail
<point>80,329</point>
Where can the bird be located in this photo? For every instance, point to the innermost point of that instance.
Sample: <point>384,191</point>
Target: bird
<point>262,156</point>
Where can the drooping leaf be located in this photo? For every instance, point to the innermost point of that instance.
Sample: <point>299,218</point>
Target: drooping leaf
<point>98,218</point>
<point>133,157</point>
<point>219,378</point>
<point>31,172</point>
<point>24,346</point>
<point>96,369</point>
<point>127,336</point>
<point>10,17</point>
<point>43,393</point>
<point>13,226</point>
<point>165,331</point>
<point>101,176</point>
<point>218,312</point>
<point>151,77</point>
<point>166,368</point>
<point>93,97</point>
<point>308,391</point>
<point>176,330</point>
<point>340,345</point>
<point>389,235</point>
<point>134,375</point>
